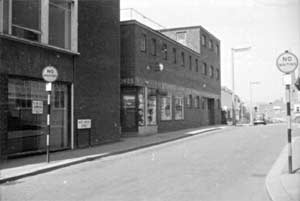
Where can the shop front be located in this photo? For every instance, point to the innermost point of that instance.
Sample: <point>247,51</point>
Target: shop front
<point>27,116</point>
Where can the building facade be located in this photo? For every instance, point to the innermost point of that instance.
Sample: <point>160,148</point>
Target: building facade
<point>165,85</point>
<point>35,34</point>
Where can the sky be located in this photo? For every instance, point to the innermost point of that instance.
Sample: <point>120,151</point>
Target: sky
<point>269,26</point>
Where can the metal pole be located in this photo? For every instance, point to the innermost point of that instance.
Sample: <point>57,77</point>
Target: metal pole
<point>233,95</point>
<point>48,88</point>
<point>251,105</point>
<point>289,129</point>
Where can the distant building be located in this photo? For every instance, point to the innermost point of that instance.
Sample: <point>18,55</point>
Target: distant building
<point>166,85</point>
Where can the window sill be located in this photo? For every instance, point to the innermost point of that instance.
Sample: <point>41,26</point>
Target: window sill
<point>38,44</point>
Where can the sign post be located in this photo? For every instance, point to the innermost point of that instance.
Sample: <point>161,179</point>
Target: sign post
<point>287,63</point>
<point>50,74</point>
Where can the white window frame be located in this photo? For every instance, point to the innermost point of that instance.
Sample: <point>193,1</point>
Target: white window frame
<point>44,20</point>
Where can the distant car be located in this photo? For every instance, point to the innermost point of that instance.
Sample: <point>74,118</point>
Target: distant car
<point>259,119</point>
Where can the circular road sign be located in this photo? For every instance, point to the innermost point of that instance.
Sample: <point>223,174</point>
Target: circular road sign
<point>50,74</point>
<point>287,62</point>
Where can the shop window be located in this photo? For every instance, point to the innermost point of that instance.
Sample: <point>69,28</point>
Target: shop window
<point>203,102</point>
<point>27,116</point>
<point>153,47</point>
<point>164,50</point>
<point>143,43</point>
<point>179,108</point>
<point>189,101</point>
<point>166,108</point>
<point>152,102</point>
<point>26,16</point>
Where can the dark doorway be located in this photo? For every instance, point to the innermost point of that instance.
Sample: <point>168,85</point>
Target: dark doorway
<point>129,111</point>
<point>211,111</point>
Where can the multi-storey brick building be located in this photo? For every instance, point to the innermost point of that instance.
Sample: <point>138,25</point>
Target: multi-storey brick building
<point>167,85</point>
<point>35,34</point>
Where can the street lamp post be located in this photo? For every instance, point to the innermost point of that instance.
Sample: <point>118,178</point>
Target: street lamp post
<point>251,106</point>
<point>234,50</point>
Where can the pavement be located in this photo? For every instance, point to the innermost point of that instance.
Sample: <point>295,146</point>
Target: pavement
<point>14,169</point>
<point>280,185</point>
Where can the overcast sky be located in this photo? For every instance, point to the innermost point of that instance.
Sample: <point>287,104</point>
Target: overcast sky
<point>268,26</point>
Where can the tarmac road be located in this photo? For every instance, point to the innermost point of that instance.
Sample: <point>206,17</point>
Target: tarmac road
<point>227,165</point>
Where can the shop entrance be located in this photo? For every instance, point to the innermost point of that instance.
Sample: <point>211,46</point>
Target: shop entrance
<point>211,110</point>
<point>128,112</point>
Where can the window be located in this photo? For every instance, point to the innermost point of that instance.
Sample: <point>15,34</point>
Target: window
<point>181,37</point>
<point>217,49</point>
<point>26,16</point>
<point>203,40</point>
<point>151,113</point>
<point>190,62</point>
<point>219,103</point>
<point>166,108</point>
<point>197,102</point>
<point>153,49</point>
<point>217,74</point>
<point>143,43</point>
<point>182,59</point>
<point>211,71</point>
<point>197,65</point>
<point>179,109</point>
<point>164,50</point>
<point>36,20</point>
<point>189,101</point>
<point>210,44</point>
<point>203,103</point>
<point>60,23</point>
<point>204,69</point>
<point>174,56</point>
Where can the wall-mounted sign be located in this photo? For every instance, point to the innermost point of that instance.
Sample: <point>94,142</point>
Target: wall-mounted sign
<point>37,107</point>
<point>50,74</point>
<point>84,123</point>
<point>287,62</point>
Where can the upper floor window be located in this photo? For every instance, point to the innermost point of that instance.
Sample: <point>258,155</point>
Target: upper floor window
<point>48,22</point>
<point>174,56</point>
<point>153,48</point>
<point>211,71</point>
<point>143,43</point>
<point>181,37</point>
<point>217,74</point>
<point>203,40</point>
<point>197,65</point>
<point>217,49</point>
<point>182,59</point>
<point>190,62</point>
<point>204,68</point>
<point>210,44</point>
<point>164,50</point>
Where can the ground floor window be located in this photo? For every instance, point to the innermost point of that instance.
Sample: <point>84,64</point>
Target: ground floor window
<point>166,108</point>
<point>27,116</point>
<point>179,108</point>
<point>152,102</point>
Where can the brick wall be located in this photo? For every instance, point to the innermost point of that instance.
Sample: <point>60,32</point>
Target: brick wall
<point>97,76</point>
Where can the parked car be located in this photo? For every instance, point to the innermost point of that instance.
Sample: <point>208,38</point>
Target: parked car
<point>259,119</point>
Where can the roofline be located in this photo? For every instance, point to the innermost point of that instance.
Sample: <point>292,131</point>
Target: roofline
<point>135,22</point>
<point>190,27</point>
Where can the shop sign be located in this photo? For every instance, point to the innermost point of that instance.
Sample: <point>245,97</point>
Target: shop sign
<point>84,123</point>
<point>37,107</point>
<point>127,81</point>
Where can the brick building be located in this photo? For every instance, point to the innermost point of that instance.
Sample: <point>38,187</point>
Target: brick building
<point>35,34</point>
<point>166,85</point>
